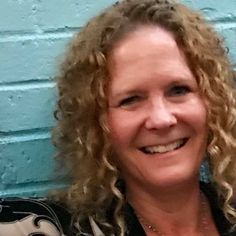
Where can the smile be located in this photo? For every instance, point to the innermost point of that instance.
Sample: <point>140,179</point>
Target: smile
<point>164,148</point>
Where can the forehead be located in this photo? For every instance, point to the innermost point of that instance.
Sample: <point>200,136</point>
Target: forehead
<point>152,40</point>
<point>155,33</point>
<point>148,46</point>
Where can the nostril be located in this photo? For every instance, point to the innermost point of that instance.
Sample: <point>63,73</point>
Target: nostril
<point>160,122</point>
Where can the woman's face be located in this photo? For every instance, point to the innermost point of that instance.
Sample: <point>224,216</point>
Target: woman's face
<point>156,115</point>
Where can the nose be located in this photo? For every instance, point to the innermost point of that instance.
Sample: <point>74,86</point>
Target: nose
<point>160,116</point>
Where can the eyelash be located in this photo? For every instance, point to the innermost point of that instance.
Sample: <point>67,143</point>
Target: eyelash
<point>128,101</point>
<point>179,90</point>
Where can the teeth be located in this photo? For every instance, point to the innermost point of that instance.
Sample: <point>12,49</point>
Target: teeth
<point>164,148</point>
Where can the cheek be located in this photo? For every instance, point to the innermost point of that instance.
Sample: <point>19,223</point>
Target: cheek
<point>201,119</point>
<point>119,138</point>
<point>197,115</point>
<point>118,133</point>
<point>123,128</point>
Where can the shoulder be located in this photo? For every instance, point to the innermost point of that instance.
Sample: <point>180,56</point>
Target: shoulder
<point>34,215</point>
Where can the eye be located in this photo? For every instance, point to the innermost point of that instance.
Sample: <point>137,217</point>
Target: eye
<point>129,100</point>
<point>179,90</point>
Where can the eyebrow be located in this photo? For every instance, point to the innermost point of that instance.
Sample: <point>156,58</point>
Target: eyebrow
<point>126,92</point>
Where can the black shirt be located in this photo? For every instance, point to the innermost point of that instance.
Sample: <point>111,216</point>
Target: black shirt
<point>222,224</point>
<point>41,217</point>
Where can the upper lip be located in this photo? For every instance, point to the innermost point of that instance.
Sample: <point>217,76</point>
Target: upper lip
<point>163,143</point>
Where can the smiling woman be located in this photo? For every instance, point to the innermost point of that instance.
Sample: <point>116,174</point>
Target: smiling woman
<point>139,110</point>
<point>156,116</point>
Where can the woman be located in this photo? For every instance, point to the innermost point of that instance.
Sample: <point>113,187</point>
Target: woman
<point>140,108</point>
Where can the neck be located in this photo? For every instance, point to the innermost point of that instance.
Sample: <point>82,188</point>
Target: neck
<point>175,209</point>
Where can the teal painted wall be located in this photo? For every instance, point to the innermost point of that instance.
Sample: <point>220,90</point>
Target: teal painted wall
<point>33,34</point>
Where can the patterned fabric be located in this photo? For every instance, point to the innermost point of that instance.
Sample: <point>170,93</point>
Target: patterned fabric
<point>40,217</point>
<point>33,217</point>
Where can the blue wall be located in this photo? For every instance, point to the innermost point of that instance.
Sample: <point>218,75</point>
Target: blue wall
<point>33,34</point>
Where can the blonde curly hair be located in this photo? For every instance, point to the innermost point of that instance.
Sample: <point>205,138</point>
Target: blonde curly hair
<point>82,134</point>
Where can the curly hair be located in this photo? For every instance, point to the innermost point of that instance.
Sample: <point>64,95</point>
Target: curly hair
<point>82,133</point>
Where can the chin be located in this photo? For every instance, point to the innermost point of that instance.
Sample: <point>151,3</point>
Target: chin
<point>172,179</point>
